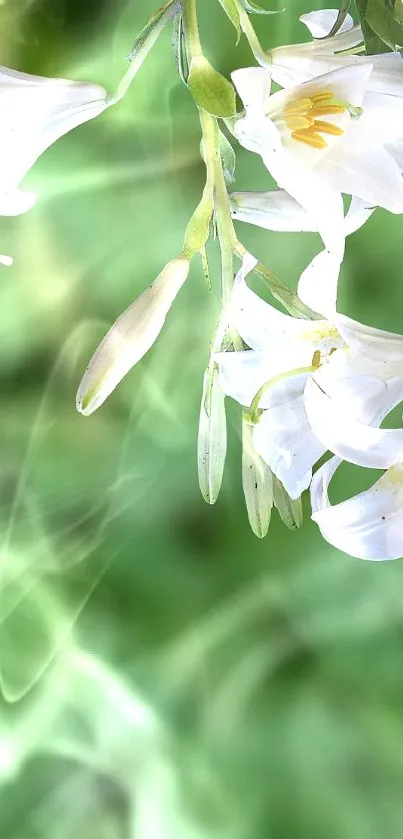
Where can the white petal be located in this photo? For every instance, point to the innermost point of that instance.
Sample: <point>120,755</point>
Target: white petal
<point>130,337</point>
<point>370,173</point>
<point>381,118</point>
<point>368,526</point>
<point>36,111</point>
<point>273,210</point>
<point>6,260</point>
<point>317,286</point>
<point>358,213</point>
<point>285,441</point>
<point>321,22</point>
<point>17,202</point>
<point>375,343</point>
<point>335,427</point>
<point>368,387</point>
<point>253,85</point>
<point>242,374</point>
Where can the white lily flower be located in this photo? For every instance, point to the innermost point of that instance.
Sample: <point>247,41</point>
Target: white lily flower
<point>345,408</point>
<point>275,379</point>
<point>367,526</point>
<point>322,138</point>
<point>35,111</point>
<point>130,337</point>
<point>298,63</point>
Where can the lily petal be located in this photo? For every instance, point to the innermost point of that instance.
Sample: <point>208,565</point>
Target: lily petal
<point>36,111</point>
<point>317,286</point>
<point>346,437</point>
<point>17,202</point>
<point>376,343</point>
<point>273,210</point>
<point>321,22</point>
<point>368,526</point>
<point>285,441</point>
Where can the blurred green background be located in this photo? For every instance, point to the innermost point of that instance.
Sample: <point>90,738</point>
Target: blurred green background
<point>164,674</point>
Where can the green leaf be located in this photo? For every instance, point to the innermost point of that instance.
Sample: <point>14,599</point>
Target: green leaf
<point>253,8</point>
<point>228,159</point>
<point>231,9</point>
<point>382,24</point>
<point>153,28</point>
<point>384,21</point>
<point>211,91</point>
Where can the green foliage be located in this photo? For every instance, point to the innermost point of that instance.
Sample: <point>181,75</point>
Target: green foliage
<point>253,8</point>
<point>382,23</point>
<point>210,90</point>
<point>201,683</point>
<point>231,9</point>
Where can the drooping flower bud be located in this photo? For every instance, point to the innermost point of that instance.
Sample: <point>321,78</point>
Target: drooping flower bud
<point>257,480</point>
<point>212,439</point>
<point>290,511</point>
<point>130,337</point>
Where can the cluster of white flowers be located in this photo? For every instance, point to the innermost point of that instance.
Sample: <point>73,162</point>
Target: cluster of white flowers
<point>313,380</point>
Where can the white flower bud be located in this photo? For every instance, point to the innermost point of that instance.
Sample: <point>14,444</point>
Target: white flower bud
<point>212,439</point>
<point>257,480</point>
<point>130,337</point>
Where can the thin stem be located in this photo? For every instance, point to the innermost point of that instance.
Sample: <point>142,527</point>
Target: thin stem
<point>191,27</point>
<point>254,410</point>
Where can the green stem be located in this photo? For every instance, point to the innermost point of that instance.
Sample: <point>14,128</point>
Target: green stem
<point>191,27</point>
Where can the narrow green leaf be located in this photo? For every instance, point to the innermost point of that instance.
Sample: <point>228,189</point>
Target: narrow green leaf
<point>231,10</point>
<point>154,25</point>
<point>211,91</point>
<point>385,22</point>
<point>374,42</point>
<point>253,8</point>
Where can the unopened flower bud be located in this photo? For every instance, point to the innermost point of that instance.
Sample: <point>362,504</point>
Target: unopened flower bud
<point>257,480</point>
<point>289,511</point>
<point>130,337</point>
<point>212,440</point>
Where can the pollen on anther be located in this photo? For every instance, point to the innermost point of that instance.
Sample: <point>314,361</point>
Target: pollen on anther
<point>327,127</point>
<point>310,138</point>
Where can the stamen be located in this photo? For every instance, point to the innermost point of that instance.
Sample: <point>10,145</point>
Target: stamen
<point>296,123</point>
<point>327,127</point>
<point>310,138</point>
<point>321,97</point>
<point>298,106</point>
<point>324,110</point>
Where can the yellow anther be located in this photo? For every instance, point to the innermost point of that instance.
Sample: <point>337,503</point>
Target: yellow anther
<point>316,359</point>
<point>310,138</point>
<point>298,106</point>
<point>321,97</point>
<point>325,110</point>
<point>296,123</point>
<point>327,127</point>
